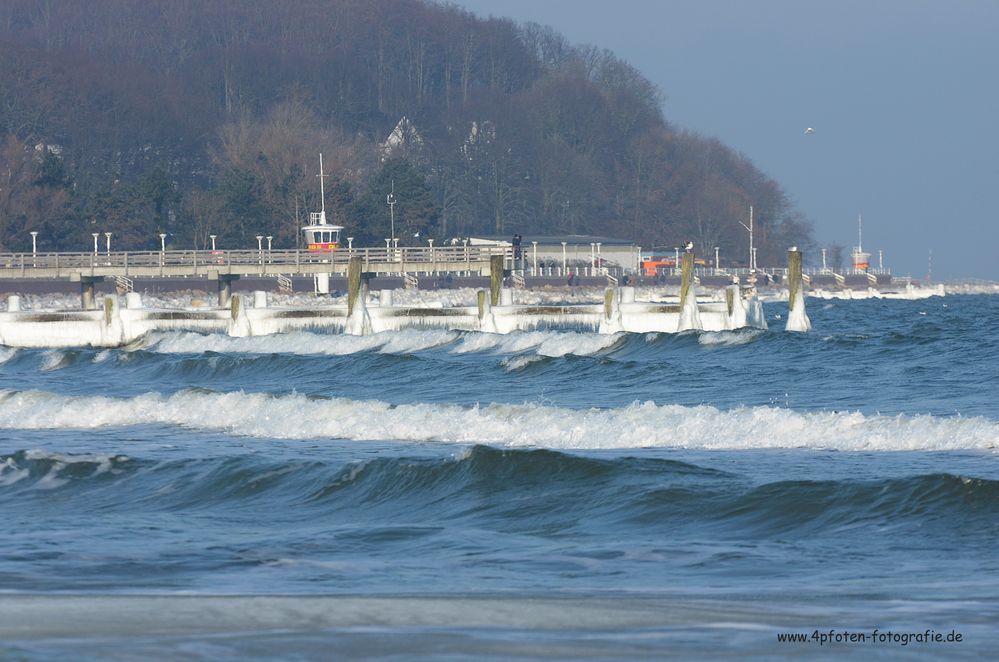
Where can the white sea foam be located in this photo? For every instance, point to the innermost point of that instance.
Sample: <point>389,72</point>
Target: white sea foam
<point>637,425</point>
<point>6,354</point>
<point>578,344</point>
<point>520,361</point>
<point>405,341</point>
<point>54,359</point>
<point>299,342</point>
<point>728,338</point>
<point>544,343</point>
<point>11,472</point>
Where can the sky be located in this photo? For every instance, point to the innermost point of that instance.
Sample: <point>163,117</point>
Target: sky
<point>903,97</point>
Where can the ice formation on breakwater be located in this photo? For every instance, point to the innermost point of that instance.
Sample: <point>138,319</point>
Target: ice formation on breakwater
<point>494,311</point>
<point>115,325</point>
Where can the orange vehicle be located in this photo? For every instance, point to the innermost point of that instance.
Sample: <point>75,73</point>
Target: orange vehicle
<point>651,264</point>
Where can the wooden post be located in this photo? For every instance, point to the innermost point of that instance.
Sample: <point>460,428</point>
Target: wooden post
<point>481,296</point>
<point>225,291</point>
<point>730,300</point>
<point>353,282</point>
<point>686,276</point>
<point>793,274</point>
<point>495,278</point>
<point>608,303</point>
<point>87,292</point>
<point>234,307</point>
<point>108,309</point>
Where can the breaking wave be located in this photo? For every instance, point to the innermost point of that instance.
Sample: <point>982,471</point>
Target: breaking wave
<point>638,425</point>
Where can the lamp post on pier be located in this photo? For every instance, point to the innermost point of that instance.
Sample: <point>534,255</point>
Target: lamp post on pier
<point>565,266</point>
<point>34,246</point>
<point>717,263</point>
<point>534,251</point>
<point>107,235</point>
<point>212,237</point>
<point>95,235</point>
<point>162,248</point>
<point>390,201</point>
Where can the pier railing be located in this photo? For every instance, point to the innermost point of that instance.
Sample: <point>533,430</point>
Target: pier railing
<point>201,262</point>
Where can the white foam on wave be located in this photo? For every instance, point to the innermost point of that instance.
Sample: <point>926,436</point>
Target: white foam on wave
<point>406,341</point>
<point>529,425</point>
<point>6,354</point>
<point>728,338</point>
<point>578,344</point>
<point>520,361</point>
<point>54,359</point>
<point>544,343</point>
<point>299,342</point>
<point>11,472</point>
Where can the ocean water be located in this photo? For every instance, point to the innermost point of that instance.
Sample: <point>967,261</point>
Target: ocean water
<point>542,495</point>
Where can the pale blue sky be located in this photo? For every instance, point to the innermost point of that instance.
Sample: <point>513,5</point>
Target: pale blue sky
<point>903,96</point>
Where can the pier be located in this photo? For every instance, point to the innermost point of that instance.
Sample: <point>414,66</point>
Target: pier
<point>495,310</point>
<point>224,267</point>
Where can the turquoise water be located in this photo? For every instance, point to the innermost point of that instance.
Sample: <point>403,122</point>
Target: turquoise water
<point>422,494</point>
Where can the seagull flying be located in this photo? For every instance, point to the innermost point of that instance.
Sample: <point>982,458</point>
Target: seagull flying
<point>809,131</point>
<point>417,235</point>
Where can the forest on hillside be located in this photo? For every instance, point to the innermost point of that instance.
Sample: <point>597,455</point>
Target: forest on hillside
<point>203,117</point>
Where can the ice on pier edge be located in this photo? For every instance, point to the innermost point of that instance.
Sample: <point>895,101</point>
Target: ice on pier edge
<point>115,325</point>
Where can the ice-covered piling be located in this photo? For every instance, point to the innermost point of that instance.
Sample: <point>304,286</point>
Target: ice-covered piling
<point>239,323</point>
<point>87,283</point>
<point>612,321</point>
<point>487,322</point>
<point>690,318</point>
<point>225,287</point>
<point>735,307</point>
<point>353,283</point>
<point>797,320</point>
<point>496,274</point>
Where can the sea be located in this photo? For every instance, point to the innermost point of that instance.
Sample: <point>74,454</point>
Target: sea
<point>552,494</point>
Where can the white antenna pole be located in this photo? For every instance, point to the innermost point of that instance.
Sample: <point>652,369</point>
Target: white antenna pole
<point>752,253</point>
<point>322,184</point>
<point>860,233</point>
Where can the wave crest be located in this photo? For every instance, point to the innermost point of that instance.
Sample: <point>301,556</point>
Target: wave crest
<point>646,424</point>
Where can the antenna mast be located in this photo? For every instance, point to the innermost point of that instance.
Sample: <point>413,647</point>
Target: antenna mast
<point>322,191</point>
<point>752,258</point>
